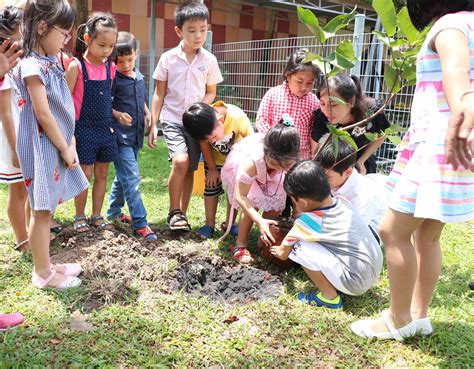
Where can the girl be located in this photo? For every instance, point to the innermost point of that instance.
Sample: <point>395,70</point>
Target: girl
<point>427,192</point>
<point>89,78</point>
<point>10,19</point>
<point>45,144</point>
<point>293,97</point>
<point>348,89</point>
<point>253,175</point>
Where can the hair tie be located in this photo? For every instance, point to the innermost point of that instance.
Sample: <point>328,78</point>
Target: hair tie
<point>287,120</point>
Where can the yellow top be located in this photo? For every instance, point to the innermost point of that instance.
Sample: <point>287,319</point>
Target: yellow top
<point>236,126</point>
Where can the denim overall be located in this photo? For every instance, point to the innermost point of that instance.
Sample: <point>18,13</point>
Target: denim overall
<point>96,139</point>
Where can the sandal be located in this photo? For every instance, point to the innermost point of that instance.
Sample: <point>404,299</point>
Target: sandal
<point>57,229</point>
<point>18,246</point>
<point>68,282</point>
<point>241,254</point>
<point>317,299</point>
<point>71,269</point>
<point>103,223</point>
<point>146,232</point>
<point>177,216</point>
<point>81,227</point>
<point>205,231</point>
<point>363,329</point>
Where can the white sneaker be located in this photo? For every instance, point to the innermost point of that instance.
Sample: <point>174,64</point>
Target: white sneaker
<point>423,326</point>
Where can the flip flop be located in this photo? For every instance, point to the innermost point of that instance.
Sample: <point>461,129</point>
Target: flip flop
<point>239,253</point>
<point>363,328</point>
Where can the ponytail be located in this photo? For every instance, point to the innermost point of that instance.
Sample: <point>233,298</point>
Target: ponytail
<point>96,23</point>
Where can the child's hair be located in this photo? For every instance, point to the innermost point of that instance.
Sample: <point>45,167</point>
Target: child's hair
<point>126,44</point>
<point>281,143</point>
<point>10,20</point>
<point>307,180</point>
<point>422,12</point>
<point>52,12</point>
<point>199,120</point>
<point>347,87</point>
<point>295,64</point>
<point>190,10</point>
<point>346,156</point>
<point>96,23</point>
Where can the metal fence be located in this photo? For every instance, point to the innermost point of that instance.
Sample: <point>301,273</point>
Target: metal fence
<point>250,68</point>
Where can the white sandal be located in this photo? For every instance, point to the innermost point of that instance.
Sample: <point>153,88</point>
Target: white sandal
<point>363,329</point>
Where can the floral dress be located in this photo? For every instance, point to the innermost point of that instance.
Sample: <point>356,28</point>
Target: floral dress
<point>48,181</point>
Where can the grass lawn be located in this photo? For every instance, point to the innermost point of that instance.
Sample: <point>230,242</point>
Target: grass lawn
<point>176,330</point>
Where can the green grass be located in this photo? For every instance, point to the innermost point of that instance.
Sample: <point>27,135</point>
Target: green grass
<point>178,331</point>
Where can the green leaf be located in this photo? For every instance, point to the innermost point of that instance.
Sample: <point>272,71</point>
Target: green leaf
<point>394,128</point>
<point>335,146</point>
<point>382,36</point>
<point>406,26</point>
<point>350,141</point>
<point>307,17</point>
<point>337,100</point>
<point>371,136</point>
<point>337,23</point>
<point>333,130</point>
<point>387,14</point>
<point>396,140</point>
<point>346,49</point>
<point>391,79</point>
<point>409,74</point>
<point>339,60</point>
<point>309,57</point>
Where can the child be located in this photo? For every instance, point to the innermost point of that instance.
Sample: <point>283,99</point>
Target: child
<point>332,243</point>
<point>129,94</point>
<point>253,175</point>
<point>427,192</point>
<point>294,97</point>
<point>222,125</point>
<point>10,19</point>
<point>89,78</point>
<point>367,194</point>
<point>183,76</point>
<point>348,89</point>
<point>45,144</point>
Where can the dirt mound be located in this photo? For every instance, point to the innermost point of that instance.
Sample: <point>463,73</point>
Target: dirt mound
<point>232,284</point>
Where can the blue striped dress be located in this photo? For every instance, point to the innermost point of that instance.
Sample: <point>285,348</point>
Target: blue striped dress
<point>47,179</point>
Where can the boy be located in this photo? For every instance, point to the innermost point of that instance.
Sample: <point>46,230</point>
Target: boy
<point>332,243</point>
<point>368,194</point>
<point>222,125</point>
<point>128,91</point>
<point>184,75</point>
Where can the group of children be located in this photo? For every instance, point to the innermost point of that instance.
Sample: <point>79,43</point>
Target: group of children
<point>78,115</point>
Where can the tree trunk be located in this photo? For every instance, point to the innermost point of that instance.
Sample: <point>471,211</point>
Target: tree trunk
<point>82,11</point>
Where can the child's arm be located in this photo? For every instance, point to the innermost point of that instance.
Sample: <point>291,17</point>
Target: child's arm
<point>210,94</point>
<point>47,121</point>
<point>212,177</point>
<point>156,105</point>
<point>263,114</point>
<point>8,125</point>
<point>147,116</point>
<point>123,118</point>
<point>71,75</point>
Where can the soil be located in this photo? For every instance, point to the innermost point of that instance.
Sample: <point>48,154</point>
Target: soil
<point>119,268</point>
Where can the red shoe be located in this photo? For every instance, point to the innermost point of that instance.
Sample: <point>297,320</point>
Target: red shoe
<point>146,232</point>
<point>127,219</point>
<point>9,321</point>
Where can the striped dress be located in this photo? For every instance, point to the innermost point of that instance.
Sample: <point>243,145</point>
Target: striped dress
<point>423,185</point>
<point>47,179</point>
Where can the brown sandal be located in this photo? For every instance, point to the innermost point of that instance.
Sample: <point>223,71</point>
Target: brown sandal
<point>177,216</point>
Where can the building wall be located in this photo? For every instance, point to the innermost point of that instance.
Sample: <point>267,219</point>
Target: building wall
<point>230,22</point>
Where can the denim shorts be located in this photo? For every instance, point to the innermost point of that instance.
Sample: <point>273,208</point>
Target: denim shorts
<point>179,143</point>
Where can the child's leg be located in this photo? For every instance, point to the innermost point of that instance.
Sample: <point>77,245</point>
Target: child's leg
<point>116,196</point>
<point>210,208</point>
<point>180,165</point>
<point>428,253</point>
<point>322,284</point>
<point>245,225</point>
<point>17,196</point>
<point>187,191</point>
<point>81,199</point>
<point>101,170</point>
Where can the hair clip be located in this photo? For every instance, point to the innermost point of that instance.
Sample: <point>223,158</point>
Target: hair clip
<point>287,120</point>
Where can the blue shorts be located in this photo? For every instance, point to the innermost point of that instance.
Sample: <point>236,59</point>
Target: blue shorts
<point>96,144</point>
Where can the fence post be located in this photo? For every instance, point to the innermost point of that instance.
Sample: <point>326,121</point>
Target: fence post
<point>137,61</point>
<point>358,41</point>
<point>208,43</point>
<point>151,57</point>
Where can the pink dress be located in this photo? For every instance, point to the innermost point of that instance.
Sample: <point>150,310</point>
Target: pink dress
<point>266,192</point>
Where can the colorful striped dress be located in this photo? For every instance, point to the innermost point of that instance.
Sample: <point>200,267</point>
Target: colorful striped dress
<point>423,185</point>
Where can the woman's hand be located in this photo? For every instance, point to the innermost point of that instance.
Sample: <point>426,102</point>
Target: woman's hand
<point>266,236</point>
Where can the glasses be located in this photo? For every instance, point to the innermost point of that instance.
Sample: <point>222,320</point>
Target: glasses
<point>67,36</point>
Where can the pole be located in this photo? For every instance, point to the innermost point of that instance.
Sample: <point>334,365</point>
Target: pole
<point>151,58</point>
<point>358,40</point>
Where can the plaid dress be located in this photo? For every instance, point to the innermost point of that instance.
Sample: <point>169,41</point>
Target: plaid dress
<point>47,179</point>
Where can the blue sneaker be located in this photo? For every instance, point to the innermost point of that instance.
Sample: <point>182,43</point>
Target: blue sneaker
<point>205,231</point>
<point>317,299</point>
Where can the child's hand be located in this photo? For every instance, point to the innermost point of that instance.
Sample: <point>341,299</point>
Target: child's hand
<point>9,58</point>
<point>266,236</point>
<point>279,252</point>
<point>213,178</point>
<point>152,136</point>
<point>76,157</point>
<point>68,157</point>
<point>15,161</point>
<point>147,120</point>
<point>124,119</point>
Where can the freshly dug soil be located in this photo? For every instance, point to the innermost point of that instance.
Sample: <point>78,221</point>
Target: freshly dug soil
<point>278,231</point>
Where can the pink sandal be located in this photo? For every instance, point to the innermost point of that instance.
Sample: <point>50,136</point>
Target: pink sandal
<point>241,254</point>
<point>69,282</point>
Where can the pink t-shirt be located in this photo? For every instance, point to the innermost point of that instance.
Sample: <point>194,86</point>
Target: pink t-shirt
<point>96,73</point>
<point>186,83</point>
